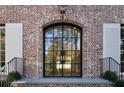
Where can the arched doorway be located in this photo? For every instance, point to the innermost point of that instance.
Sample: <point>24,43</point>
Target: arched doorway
<point>62,50</point>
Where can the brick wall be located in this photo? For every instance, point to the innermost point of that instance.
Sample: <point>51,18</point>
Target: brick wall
<point>91,18</point>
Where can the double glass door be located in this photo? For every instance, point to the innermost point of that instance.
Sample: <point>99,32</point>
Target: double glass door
<point>62,56</point>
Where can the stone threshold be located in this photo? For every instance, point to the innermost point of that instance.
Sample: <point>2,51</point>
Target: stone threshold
<point>64,81</point>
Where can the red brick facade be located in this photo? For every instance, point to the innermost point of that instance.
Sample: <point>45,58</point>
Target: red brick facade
<point>34,18</point>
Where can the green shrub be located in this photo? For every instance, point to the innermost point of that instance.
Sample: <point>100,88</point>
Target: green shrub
<point>119,83</point>
<point>14,76</point>
<point>111,76</point>
<point>10,78</point>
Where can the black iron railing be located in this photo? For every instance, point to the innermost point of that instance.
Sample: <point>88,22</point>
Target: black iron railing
<point>15,65</point>
<point>109,64</point>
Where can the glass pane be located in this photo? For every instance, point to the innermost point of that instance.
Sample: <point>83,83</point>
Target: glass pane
<point>2,33</point>
<point>67,32</point>
<point>57,57</point>
<point>58,31</point>
<point>75,43</point>
<point>78,43</point>
<point>122,66</point>
<point>2,45</point>
<point>66,69</point>
<point>73,56</point>
<point>68,57</point>
<point>76,56</point>
<point>57,43</point>
<point>48,69</point>
<point>76,69</point>
<point>49,32</point>
<point>122,33</point>
<point>2,55</point>
<point>2,64</point>
<point>67,42</point>
<point>48,56</point>
<point>57,69</point>
<point>75,32</point>
<point>122,55</point>
<point>122,44</point>
<point>48,43</point>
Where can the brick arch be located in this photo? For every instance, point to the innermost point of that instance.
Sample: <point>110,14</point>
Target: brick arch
<point>79,25</point>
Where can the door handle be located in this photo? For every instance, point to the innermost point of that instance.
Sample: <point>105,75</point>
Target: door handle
<point>62,53</point>
<point>62,61</point>
<point>62,56</point>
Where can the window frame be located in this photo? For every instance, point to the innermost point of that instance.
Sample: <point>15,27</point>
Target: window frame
<point>2,50</point>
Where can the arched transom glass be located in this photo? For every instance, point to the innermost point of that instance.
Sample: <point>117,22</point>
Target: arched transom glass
<point>62,51</point>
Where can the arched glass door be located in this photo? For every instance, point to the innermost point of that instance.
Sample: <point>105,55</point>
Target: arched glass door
<point>62,51</point>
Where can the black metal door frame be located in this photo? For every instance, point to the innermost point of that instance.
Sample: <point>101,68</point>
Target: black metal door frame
<point>61,61</point>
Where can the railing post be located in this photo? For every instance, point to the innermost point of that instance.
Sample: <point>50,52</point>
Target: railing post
<point>101,66</point>
<point>7,68</point>
<point>16,65</point>
<point>109,63</point>
<point>120,72</point>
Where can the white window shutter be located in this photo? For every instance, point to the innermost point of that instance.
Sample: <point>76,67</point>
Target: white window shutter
<point>111,41</point>
<point>13,40</point>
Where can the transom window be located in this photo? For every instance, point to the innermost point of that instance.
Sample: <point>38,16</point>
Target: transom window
<point>62,51</point>
<point>2,45</point>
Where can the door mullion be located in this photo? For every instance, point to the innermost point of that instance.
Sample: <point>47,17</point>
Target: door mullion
<point>71,51</point>
<point>62,49</point>
<point>53,52</point>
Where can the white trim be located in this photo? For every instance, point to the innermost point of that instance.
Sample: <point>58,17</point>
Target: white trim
<point>111,40</point>
<point>14,41</point>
